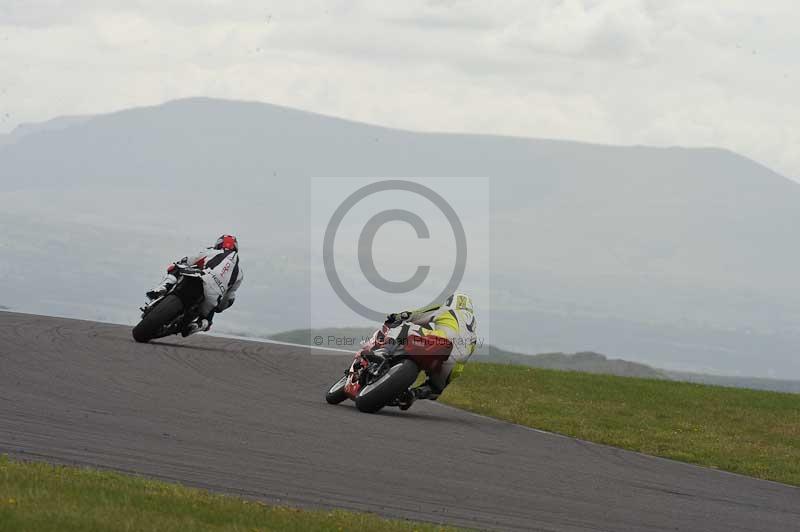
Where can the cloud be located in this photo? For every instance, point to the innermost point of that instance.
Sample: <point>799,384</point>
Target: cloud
<point>618,71</point>
<point>615,30</point>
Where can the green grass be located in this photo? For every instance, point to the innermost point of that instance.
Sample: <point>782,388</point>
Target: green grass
<point>755,433</point>
<point>41,497</point>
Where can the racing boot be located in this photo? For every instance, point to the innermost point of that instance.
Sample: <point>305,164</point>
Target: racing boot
<point>405,400</point>
<point>196,327</point>
<point>425,391</point>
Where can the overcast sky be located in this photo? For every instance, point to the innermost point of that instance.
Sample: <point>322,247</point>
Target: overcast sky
<point>692,73</point>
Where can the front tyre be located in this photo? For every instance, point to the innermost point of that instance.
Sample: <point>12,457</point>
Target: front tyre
<point>383,391</point>
<point>163,314</point>
<point>336,394</point>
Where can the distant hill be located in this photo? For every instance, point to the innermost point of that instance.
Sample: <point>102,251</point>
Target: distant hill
<point>346,337</point>
<point>586,361</point>
<point>589,362</point>
<point>671,257</point>
<point>55,124</point>
<point>775,385</point>
<point>334,337</point>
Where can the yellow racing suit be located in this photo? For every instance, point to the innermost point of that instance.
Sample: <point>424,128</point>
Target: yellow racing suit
<point>455,321</point>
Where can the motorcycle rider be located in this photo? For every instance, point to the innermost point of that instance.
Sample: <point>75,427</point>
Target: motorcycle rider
<point>222,278</point>
<point>450,327</point>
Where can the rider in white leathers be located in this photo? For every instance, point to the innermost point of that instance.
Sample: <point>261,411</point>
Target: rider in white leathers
<point>450,327</point>
<point>222,278</point>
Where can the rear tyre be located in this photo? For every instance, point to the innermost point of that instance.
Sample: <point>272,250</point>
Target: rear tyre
<point>375,396</point>
<point>336,394</point>
<point>164,312</point>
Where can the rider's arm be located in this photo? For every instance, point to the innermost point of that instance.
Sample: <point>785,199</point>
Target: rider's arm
<point>418,314</point>
<point>230,296</point>
<point>444,325</point>
<point>196,260</point>
<point>191,260</point>
<point>421,316</point>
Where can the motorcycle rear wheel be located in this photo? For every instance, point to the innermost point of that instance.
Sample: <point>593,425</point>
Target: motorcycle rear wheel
<point>397,379</point>
<point>164,312</point>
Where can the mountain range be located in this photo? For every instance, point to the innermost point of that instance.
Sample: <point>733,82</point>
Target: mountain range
<point>680,258</point>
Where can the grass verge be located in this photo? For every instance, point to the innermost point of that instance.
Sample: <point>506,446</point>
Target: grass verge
<point>755,433</point>
<point>42,497</point>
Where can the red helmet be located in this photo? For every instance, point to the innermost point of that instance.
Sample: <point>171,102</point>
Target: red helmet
<point>227,242</point>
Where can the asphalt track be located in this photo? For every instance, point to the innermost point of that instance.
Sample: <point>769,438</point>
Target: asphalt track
<point>249,418</point>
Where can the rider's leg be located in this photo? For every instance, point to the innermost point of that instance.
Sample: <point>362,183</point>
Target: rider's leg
<point>433,386</point>
<point>206,310</point>
<point>436,382</point>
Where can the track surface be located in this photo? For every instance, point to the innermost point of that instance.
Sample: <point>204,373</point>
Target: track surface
<point>250,418</point>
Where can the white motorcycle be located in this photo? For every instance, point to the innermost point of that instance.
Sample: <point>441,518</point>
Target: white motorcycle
<point>174,310</point>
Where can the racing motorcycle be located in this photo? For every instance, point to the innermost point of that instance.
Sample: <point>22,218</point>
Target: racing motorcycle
<point>175,309</point>
<point>385,368</point>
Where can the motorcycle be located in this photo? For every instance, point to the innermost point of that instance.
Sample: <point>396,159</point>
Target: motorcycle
<point>385,367</point>
<point>174,310</point>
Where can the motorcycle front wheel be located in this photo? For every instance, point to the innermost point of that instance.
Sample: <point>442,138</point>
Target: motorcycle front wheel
<point>384,390</point>
<point>164,313</point>
<point>336,394</point>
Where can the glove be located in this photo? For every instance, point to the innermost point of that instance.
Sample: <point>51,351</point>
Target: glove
<point>174,265</point>
<point>393,320</point>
